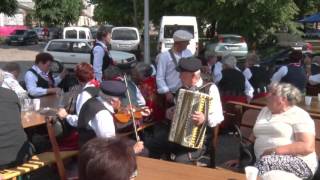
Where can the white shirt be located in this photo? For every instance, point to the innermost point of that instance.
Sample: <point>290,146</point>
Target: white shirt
<point>31,82</point>
<point>103,124</point>
<point>98,54</point>
<point>314,79</point>
<point>277,76</point>
<point>82,97</point>
<point>10,82</point>
<point>272,130</point>
<point>215,116</point>
<point>247,72</point>
<point>167,77</point>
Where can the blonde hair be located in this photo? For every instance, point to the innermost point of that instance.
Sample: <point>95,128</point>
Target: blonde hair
<point>288,91</point>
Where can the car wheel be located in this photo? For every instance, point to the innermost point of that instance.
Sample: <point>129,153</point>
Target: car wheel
<point>36,41</point>
<point>9,43</point>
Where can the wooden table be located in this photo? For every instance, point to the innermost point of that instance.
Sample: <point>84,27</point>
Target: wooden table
<point>313,108</point>
<point>33,119</point>
<point>153,169</point>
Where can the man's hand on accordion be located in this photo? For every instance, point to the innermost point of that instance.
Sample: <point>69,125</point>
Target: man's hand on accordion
<point>197,118</point>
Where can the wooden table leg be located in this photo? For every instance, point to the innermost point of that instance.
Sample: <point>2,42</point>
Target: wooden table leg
<point>55,148</point>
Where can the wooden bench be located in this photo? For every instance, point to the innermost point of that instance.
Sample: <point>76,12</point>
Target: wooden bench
<point>35,163</point>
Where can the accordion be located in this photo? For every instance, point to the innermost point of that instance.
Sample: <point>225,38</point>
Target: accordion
<point>183,131</point>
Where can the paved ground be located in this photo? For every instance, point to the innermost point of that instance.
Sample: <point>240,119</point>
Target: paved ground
<point>24,55</point>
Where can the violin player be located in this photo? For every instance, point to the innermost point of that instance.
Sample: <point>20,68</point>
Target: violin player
<point>96,115</point>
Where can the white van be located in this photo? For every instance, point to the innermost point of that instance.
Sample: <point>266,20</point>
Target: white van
<point>125,39</point>
<point>169,24</point>
<point>76,33</point>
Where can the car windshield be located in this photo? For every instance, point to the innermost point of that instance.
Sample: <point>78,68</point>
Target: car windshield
<point>170,29</point>
<point>71,34</point>
<point>231,39</point>
<point>19,32</point>
<point>59,46</point>
<point>124,34</point>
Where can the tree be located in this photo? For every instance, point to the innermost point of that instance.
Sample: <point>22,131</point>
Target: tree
<point>256,20</point>
<point>8,7</point>
<point>58,12</point>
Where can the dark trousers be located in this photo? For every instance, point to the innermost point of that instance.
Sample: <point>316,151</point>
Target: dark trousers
<point>158,145</point>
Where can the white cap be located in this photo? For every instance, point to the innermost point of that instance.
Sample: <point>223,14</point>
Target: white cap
<point>182,35</point>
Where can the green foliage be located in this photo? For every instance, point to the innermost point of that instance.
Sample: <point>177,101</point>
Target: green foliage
<point>257,20</point>
<point>8,7</point>
<point>58,12</point>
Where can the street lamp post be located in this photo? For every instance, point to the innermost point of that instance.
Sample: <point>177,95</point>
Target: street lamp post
<point>146,53</point>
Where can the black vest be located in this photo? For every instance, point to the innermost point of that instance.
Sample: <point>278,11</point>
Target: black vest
<point>296,76</point>
<point>232,83</point>
<point>315,69</point>
<point>87,113</point>
<point>259,79</point>
<point>107,59</point>
<point>42,82</point>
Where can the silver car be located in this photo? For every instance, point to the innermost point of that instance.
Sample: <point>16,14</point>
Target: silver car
<point>70,52</point>
<point>229,44</point>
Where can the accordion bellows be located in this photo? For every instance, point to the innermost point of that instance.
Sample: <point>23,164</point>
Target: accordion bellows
<point>183,131</point>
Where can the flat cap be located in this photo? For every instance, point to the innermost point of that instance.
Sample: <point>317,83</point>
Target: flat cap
<point>113,88</point>
<point>182,35</point>
<point>190,64</point>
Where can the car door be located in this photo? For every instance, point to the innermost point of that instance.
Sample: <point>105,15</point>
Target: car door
<point>60,50</point>
<point>80,52</point>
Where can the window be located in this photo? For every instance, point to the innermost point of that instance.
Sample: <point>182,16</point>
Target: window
<point>19,32</point>
<point>80,47</point>
<point>82,35</point>
<point>71,34</point>
<point>170,29</point>
<point>59,46</point>
<point>124,34</point>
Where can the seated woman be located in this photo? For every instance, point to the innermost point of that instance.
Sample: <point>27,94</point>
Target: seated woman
<point>85,75</point>
<point>284,135</point>
<point>39,80</point>
<point>107,158</point>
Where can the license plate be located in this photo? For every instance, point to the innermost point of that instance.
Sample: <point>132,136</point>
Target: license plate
<point>297,48</point>
<point>168,45</point>
<point>124,45</point>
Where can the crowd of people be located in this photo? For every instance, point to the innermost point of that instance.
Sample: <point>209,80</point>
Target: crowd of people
<point>283,136</point>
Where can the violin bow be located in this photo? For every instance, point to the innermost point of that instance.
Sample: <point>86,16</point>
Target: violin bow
<point>131,109</point>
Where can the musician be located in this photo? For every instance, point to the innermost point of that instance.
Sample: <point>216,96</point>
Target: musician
<point>39,80</point>
<point>85,75</point>
<point>189,69</point>
<point>96,114</point>
<point>257,75</point>
<point>167,77</point>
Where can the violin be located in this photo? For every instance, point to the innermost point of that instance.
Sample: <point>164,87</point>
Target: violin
<point>124,115</point>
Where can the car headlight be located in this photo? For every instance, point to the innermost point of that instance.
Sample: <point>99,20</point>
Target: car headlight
<point>130,59</point>
<point>20,38</point>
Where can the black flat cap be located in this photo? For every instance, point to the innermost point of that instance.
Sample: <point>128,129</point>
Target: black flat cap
<point>190,64</point>
<point>113,88</point>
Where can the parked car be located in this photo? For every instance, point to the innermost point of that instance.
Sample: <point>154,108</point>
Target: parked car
<point>287,40</point>
<point>70,52</point>
<point>40,32</point>
<point>76,33</point>
<point>169,24</point>
<point>23,37</point>
<point>125,39</point>
<point>229,44</point>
